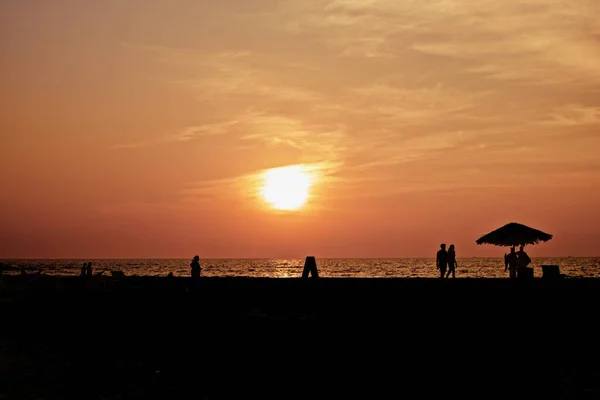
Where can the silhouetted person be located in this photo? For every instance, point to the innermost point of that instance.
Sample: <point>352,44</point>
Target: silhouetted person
<point>195,266</point>
<point>88,269</point>
<point>510,263</point>
<point>195,270</point>
<point>83,270</point>
<point>451,261</point>
<point>523,260</point>
<point>441,260</point>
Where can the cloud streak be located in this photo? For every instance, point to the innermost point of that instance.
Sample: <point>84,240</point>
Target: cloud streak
<point>184,135</point>
<point>378,85</point>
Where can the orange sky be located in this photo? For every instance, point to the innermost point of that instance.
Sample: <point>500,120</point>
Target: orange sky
<point>137,128</point>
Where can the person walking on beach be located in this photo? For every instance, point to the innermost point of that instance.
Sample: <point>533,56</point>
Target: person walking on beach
<point>452,264</point>
<point>195,266</point>
<point>510,263</point>
<point>88,269</point>
<point>441,260</point>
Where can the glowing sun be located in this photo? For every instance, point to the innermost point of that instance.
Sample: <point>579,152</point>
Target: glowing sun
<point>287,188</point>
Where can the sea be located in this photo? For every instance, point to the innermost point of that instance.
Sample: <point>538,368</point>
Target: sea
<point>576,267</point>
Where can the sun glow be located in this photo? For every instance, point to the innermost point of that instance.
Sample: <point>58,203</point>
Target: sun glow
<point>287,188</point>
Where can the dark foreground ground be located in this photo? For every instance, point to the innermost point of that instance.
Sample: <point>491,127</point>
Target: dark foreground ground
<point>332,338</point>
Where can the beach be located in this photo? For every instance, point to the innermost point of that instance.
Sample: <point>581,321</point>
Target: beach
<point>151,337</point>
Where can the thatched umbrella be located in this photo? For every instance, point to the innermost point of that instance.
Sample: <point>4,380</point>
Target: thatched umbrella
<point>514,234</point>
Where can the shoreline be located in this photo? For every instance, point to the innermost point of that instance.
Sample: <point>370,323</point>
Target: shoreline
<point>389,268</point>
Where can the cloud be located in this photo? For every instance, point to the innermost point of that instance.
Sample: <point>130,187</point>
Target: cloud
<point>574,115</point>
<point>183,135</point>
<point>385,86</point>
<point>322,141</point>
<point>194,132</point>
<point>508,40</point>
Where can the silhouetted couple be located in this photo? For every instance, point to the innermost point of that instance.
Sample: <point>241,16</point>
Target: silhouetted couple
<point>516,261</point>
<point>445,261</point>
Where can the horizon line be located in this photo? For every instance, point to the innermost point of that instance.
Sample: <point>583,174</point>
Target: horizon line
<point>263,258</point>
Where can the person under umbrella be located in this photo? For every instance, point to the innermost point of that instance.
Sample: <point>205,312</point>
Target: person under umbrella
<point>514,234</point>
<point>510,263</point>
<point>523,260</point>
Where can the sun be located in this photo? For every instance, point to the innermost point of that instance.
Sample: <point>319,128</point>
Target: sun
<point>287,188</point>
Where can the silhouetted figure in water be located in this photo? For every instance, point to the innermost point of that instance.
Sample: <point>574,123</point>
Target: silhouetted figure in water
<point>83,270</point>
<point>510,263</point>
<point>523,260</point>
<point>88,269</point>
<point>441,260</point>
<point>452,264</point>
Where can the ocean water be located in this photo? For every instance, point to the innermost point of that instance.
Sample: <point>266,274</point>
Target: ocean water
<point>290,268</point>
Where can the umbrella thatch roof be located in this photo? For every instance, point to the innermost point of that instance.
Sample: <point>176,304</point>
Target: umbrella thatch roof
<point>514,234</point>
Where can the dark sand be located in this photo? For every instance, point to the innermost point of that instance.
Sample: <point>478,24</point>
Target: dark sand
<point>237,338</point>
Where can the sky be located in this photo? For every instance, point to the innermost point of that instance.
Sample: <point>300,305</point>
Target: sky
<point>141,129</point>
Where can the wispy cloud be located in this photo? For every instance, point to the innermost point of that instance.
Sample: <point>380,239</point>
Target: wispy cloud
<point>574,115</point>
<point>378,85</point>
<point>493,37</point>
<point>184,135</point>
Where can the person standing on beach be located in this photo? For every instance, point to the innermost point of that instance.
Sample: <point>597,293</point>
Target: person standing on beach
<point>441,260</point>
<point>523,259</point>
<point>88,269</point>
<point>451,261</point>
<point>510,263</point>
<point>195,266</point>
<point>195,271</point>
